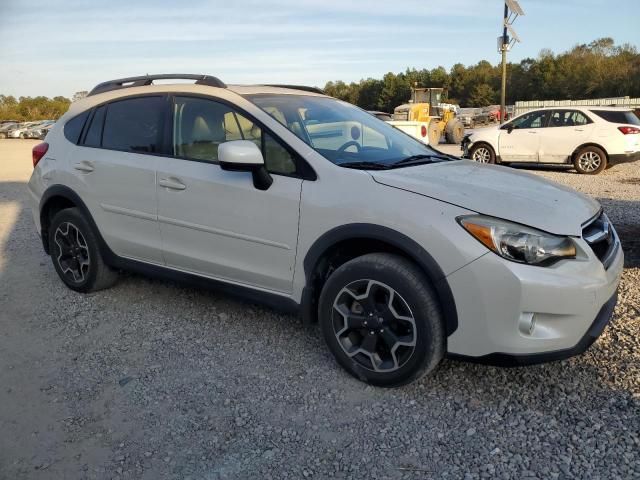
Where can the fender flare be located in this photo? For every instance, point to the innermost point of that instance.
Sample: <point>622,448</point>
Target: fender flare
<point>409,247</point>
<point>70,195</point>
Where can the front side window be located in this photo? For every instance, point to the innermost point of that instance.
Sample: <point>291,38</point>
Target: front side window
<point>134,125</point>
<point>568,118</point>
<point>200,126</point>
<point>339,131</point>
<point>536,119</point>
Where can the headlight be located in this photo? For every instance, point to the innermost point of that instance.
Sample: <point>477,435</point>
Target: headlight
<point>518,243</point>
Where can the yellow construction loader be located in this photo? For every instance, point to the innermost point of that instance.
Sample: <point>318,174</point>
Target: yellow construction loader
<point>427,118</point>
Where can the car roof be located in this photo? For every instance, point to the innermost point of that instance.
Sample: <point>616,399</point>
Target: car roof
<point>583,107</point>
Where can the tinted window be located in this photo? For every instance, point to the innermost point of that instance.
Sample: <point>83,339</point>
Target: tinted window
<point>618,116</point>
<point>134,125</point>
<point>200,126</point>
<point>73,127</point>
<point>94,133</point>
<point>568,118</point>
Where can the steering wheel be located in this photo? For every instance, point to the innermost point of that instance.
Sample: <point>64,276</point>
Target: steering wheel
<point>350,143</point>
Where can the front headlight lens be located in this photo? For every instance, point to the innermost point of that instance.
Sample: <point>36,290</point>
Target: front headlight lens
<point>518,243</point>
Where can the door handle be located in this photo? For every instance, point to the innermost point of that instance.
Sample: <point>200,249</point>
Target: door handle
<point>531,132</point>
<point>171,183</point>
<point>579,129</point>
<point>84,166</point>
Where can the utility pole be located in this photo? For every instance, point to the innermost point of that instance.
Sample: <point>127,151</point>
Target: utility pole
<point>511,11</point>
<point>503,48</point>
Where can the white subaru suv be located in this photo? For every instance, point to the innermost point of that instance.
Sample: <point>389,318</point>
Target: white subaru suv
<point>589,138</point>
<point>289,197</point>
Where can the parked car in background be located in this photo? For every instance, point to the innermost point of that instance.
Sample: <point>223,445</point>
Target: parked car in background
<point>39,131</point>
<point>19,130</point>
<point>288,196</point>
<point>473,117</point>
<point>589,138</point>
<point>6,126</point>
<point>22,130</point>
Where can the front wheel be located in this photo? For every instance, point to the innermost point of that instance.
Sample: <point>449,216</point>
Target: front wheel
<point>482,153</point>
<point>381,320</point>
<point>590,160</point>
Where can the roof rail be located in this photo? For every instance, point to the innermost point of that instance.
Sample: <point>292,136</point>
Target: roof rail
<point>149,79</point>
<point>297,87</point>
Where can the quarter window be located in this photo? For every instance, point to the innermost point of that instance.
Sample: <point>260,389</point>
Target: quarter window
<point>200,126</point>
<point>134,125</point>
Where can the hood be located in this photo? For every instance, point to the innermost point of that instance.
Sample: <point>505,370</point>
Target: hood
<point>497,191</point>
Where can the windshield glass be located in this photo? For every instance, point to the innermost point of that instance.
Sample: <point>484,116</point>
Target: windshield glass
<point>339,131</point>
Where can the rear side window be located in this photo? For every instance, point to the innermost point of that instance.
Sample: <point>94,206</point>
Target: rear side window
<point>618,116</point>
<point>94,132</point>
<point>134,125</point>
<point>73,127</point>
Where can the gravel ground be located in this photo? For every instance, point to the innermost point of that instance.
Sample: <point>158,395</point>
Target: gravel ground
<point>155,380</point>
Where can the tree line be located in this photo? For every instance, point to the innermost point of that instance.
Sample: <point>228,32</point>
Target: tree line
<point>600,69</point>
<point>32,108</point>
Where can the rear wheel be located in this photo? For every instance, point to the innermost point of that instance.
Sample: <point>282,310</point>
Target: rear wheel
<point>482,153</point>
<point>590,160</point>
<point>381,320</point>
<point>433,133</point>
<point>454,131</point>
<point>75,253</point>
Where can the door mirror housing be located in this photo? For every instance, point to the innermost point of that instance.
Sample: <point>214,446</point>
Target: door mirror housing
<point>245,156</point>
<point>508,127</point>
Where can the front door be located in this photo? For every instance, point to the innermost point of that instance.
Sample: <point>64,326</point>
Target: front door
<point>214,222</point>
<point>520,138</point>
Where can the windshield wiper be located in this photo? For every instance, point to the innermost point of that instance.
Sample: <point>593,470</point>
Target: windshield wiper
<point>419,159</point>
<point>363,165</point>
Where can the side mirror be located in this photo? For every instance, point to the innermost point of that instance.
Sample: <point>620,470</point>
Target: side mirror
<point>508,127</point>
<point>245,156</point>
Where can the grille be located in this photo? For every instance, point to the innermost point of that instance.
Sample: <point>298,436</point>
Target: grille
<point>602,238</point>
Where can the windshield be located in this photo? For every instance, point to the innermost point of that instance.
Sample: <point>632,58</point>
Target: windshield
<point>341,132</point>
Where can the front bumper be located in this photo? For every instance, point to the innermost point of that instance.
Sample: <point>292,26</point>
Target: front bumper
<point>623,158</point>
<point>496,301</point>
<point>464,146</point>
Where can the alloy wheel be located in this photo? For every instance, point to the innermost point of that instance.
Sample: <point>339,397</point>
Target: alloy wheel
<point>374,325</point>
<point>73,252</point>
<point>589,161</point>
<point>482,155</point>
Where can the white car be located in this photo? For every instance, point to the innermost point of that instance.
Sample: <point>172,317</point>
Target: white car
<point>589,138</point>
<point>307,203</point>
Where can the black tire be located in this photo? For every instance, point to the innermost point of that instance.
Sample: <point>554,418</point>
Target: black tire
<point>590,160</point>
<point>454,131</point>
<point>483,153</point>
<point>82,267</point>
<point>412,296</point>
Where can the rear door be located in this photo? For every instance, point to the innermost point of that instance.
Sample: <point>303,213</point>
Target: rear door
<point>519,139</point>
<point>567,129</point>
<point>214,222</point>
<point>116,166</point>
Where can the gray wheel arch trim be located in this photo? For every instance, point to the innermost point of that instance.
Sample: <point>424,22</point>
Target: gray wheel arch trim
<point>68,194</point>
<point>367,231</point>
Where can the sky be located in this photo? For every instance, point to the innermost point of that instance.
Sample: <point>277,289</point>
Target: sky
<point>58,47</point>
